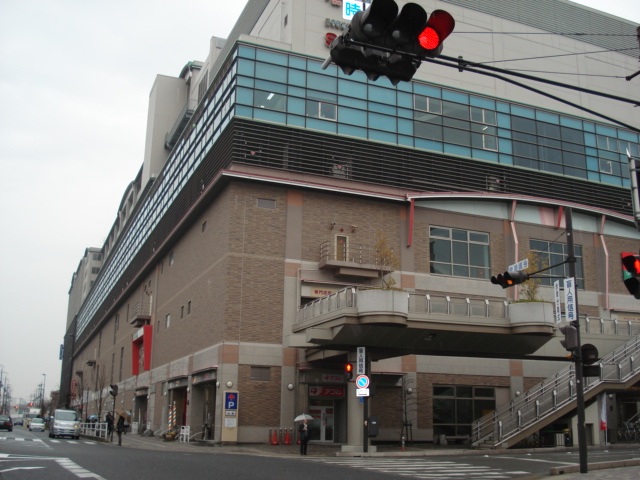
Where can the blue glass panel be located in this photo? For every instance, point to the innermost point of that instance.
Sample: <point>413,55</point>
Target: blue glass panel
<point>405,100</point>
<point>504,121</point>
<point>503,107</point>
<point>382,122</point>
<point>270,115</point>
<point>571,122</point>
<point>628,136</point>
<point>296,105</point>
<point>590,140</point>
<point>316,67</point>
<point>271,72</point>
<point>406,141</point>
<point>506,159</point>
<point>295,120</point>
<point>588,127</point>
<point>382,95</point>
<point>246,52</point>
<point>352,102</point>
<point>243,111</point>
<point>322,82</point>
<point>404,113</point>
<point>426,90</point>
<point>547,117</point>
<point>482,102</point>
<point>324,125</point>
<point>272,57</point>
<point>351,89</point>
<point>352,116</point>
<point>405,87</point>
<point>593,164</point>
<point>608,131</point>
<point>382,108</point>
<point>245,81</point>
<point>351,130</point>
<point>593,176</point>
<point>522,111</point>
<point>298,92</point>
<point>405,126</point>
<point>246,67</point>
<point>428,145</point>
<point>505,146</point>
<point>610,179</point>
<point>504,133</point>
<point>244,96</point>
<point>271,87</point>
<point>455,96</point>
<point>383,136</point>
<point>297,62</point>
<point>626,182</point>
<point>485,154</point>
<point>296,77</point>
<point>457,150</point>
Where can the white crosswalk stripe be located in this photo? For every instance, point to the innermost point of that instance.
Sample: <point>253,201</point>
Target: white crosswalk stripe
<point>424,469</point>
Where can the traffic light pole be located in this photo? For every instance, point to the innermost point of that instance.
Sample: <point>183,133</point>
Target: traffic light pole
<point>577,357</point>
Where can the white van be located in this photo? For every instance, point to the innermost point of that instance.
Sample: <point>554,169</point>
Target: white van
<point>64,423</point>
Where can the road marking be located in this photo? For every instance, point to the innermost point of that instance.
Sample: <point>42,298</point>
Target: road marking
<point>19,468</point>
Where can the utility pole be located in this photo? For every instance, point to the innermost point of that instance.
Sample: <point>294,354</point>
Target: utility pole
<point>577,358</point>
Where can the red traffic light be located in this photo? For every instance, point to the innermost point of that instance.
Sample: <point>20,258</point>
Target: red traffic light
<point>439,26</point>
<point>348,370</point>
<point>631,263</point>
<point>631,273</point>
<point>509,279</point>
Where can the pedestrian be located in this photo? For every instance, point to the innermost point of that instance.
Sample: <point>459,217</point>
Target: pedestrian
<point>120,429</point>
<point>109,421</point>
<point>303,430</point>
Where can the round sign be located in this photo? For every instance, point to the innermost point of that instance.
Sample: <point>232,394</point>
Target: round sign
<point>362,381</point>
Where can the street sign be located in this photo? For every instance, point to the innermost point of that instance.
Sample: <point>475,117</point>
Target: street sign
<point>570,299</point>
<point>362,392</point>
<point>361,365</point>
<point>230,400</point>
<point>521,265</point>
<point>556,294</point>
<point>362,381</point>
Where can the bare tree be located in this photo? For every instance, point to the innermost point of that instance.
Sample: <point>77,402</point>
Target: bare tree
<point>531,288</point>
<point>386,260</point>
<point>100,385</point>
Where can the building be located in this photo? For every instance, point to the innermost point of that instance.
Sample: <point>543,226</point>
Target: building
<point>286,215</point>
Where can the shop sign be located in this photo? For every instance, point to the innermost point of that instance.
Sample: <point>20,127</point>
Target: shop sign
<point>333,392</point>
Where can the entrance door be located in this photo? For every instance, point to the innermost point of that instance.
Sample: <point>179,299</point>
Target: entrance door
<point>321,427</point>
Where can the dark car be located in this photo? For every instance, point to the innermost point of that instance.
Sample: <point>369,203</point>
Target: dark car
<point>6,423</point>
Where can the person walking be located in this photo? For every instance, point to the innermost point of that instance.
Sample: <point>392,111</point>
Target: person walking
<point>109,421</point>
<point>120,429</point>
<point>303,430</point>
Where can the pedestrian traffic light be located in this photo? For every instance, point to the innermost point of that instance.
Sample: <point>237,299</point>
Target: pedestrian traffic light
<point>113,390</point>
<point>348,371</point>
<point>380,41</point>
<point>570,342</point>
<point>509,279</point>
<point>631,273</point>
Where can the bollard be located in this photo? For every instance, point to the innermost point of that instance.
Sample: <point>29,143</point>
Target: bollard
<point>403,443</point>
<point>287,436</point>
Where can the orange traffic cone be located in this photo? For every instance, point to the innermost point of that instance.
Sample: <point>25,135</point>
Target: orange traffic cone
<point>287,436</point>
<point>274,437</point>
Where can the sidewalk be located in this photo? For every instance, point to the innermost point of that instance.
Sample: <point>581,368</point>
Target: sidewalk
<point>620,470</point>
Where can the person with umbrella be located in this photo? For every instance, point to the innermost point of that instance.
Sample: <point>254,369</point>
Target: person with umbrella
<point>303,431</point>
<point>120,429</point>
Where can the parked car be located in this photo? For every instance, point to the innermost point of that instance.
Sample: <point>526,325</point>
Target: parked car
<point>6,423</point>
<point>17,421</point>
<point>36,424</point>
<point>64,423</point>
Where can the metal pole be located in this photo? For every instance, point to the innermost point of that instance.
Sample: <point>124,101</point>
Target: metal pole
<point>577,358</point>
<point>365,412</point>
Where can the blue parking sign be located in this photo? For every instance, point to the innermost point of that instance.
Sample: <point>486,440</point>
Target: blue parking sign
<point>230,400</point>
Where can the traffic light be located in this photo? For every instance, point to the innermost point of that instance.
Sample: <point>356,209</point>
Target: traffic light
<point>631,273</point>
<point>380,41</point>
<point>509,279</point>
<point>348,371</point>
<point>113,389</point>
<point>570,341</point>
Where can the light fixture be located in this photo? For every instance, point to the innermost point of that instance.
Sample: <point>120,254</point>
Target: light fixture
<point>290,386</point>
<point>409,390</point>
<point>270,96</point>
<point>217,384</point>
<point>229,384</point>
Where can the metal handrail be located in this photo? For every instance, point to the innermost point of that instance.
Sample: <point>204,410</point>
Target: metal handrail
<point>551,394</point>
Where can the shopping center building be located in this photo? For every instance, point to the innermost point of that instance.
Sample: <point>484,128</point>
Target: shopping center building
<point>285,215</point>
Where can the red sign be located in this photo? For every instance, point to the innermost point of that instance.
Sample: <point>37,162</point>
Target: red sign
<point>326,392</point>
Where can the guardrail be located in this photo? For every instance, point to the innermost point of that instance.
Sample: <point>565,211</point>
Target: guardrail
<point>90,429</point>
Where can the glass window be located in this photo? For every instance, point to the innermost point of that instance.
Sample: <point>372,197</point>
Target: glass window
<point>455,408</point>
<point>460,253</point>
<point>427,104</point>
<point>317,109</point>
<point>270,100</point>
<point>551,253</point>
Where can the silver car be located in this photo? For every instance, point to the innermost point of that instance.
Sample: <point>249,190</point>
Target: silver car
<point>36,424</point>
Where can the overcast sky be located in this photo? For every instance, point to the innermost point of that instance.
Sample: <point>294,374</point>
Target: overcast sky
<point>75,77</point>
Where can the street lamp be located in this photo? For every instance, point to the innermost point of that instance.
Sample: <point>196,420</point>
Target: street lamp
<point>43,390</point>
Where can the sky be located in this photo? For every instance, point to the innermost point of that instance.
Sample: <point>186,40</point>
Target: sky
<point>75,77</point>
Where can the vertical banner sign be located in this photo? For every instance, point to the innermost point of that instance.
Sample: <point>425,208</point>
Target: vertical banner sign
<point>361,366</point>
<point>570,299</point>
<point>556,294</point>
